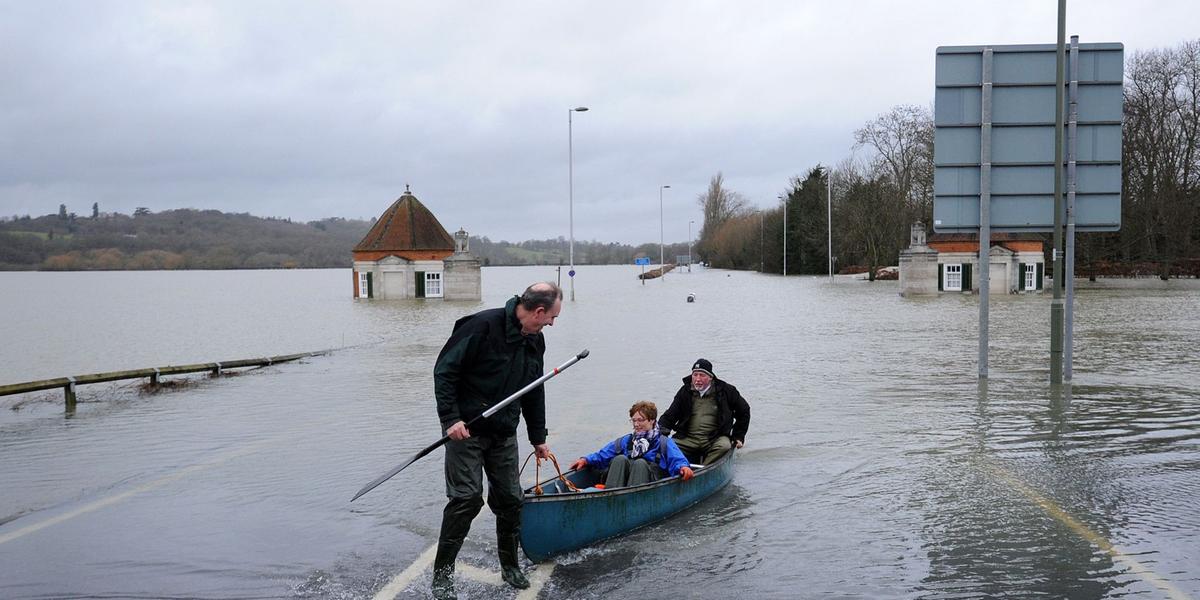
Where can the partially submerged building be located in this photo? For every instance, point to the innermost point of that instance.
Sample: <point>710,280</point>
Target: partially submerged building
<point>408,254</point>
<point>949,262</point>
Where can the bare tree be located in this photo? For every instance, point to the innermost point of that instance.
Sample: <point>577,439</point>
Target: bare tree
<point>719,206</point>
<point>902,140</point>
<point>1160,168</point>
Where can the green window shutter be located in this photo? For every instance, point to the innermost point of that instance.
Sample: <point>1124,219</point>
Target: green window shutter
<point>1040,275</point>
<point>1020,277</point>
<point>420,281</point>
<point>941,277</point>
<point>966,277</point>
<point>370,285</point>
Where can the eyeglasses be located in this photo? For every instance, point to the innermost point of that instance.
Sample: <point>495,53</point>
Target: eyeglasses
<point>637,420</point>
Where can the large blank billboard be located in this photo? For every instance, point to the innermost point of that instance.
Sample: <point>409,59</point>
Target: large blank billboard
<point>1022,137</point>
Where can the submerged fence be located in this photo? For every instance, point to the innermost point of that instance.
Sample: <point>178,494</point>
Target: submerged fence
<point>154,374</point>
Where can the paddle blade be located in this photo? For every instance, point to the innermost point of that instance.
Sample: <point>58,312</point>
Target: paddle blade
<point>386,476</point>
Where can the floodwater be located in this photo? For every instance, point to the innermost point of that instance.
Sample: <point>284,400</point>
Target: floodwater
<point>876,465</point>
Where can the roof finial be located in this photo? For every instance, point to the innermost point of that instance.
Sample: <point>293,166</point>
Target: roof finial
<point>406,189</point>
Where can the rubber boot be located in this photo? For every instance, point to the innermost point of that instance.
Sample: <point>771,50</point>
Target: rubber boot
<point>443,572</point>
<point>456,522</point>
<point>508,536</point>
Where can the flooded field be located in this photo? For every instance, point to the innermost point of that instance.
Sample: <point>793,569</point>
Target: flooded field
<point>876,465</point>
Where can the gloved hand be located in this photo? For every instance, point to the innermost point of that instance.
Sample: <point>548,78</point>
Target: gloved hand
<point>686,473</point>
<point>579,464</point>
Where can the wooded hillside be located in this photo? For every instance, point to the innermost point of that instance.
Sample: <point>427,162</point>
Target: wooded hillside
<point>175,239</point>
<point>211,239</point>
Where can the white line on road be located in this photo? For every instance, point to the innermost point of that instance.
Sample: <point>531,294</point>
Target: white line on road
<point>110,500</point>
<point>537,580</point>
<point>399,583</point>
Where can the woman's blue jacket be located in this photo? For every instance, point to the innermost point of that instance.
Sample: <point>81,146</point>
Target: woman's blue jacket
<point>665,454</point>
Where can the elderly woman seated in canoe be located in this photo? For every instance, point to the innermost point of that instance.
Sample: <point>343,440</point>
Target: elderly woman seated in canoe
<point>639,457</point>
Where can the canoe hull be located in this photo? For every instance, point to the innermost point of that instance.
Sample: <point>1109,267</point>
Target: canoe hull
<point>554,523</point>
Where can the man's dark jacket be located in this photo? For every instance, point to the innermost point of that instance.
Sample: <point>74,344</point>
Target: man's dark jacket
<point>486,360</point>
<point>733,412</point>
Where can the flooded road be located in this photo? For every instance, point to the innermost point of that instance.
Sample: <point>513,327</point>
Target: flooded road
<point>876,465</point>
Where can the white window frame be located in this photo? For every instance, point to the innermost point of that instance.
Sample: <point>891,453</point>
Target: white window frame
<point>1030,277</point>
<point>362,284</point>
<point>433,284</point>
<point>953,277</point>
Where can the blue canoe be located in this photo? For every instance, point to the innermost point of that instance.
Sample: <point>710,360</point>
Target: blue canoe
<point>560,521</point>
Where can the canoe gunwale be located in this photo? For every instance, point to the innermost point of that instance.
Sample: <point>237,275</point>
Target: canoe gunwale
<point>704,471</point>
<point>566,521</point>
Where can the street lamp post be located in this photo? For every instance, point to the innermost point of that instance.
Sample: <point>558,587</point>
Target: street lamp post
<point>571,192</point>
<point>661,248</point>
<point>690,246</point>
<point>829,217</point>
<point>784,198</point>
<point>762,241</point>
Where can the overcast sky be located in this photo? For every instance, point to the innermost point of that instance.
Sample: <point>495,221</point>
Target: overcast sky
<point>312,109</point>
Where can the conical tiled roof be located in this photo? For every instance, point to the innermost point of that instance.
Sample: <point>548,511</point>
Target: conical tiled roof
<point>406,225</point>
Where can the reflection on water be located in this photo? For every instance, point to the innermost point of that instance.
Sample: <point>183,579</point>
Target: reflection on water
<point>876,465</point>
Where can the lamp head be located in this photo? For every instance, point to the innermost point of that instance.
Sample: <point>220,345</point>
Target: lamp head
<point>580,109</point>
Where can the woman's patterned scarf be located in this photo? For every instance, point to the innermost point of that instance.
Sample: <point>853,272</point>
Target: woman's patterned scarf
<point>643,441</point>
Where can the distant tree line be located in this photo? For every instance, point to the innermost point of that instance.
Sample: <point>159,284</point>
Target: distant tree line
<point>210,239</point>
<point>558,252</point>
<point>878,195</point>
<point>174,239</point>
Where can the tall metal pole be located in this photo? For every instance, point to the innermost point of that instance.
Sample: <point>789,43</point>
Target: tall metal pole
<point>1072,155</point>
<point>784,198</point>
<point>762,242</point>
<point>661,254</point>
<point>985,210</point>
<point>1056,305</point>
<point>829,218</point>
<point>690,246</point>
<point>571,191</point>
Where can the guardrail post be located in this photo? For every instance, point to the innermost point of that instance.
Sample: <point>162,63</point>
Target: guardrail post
<point>154,377</point>
<point>216,370</point>
<point>69,394</point>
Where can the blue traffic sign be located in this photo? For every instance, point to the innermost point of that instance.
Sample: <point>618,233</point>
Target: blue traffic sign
<point>641,261</point>
<point>571,273</point>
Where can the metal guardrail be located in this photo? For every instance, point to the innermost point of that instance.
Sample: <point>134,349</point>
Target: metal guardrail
<point>216,368</point>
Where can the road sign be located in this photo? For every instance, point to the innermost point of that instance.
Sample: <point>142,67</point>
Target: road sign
<point>641,261</point>
<point>1019,97</point>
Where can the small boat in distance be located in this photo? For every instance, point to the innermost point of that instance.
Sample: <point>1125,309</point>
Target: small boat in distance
<point>560,520</point>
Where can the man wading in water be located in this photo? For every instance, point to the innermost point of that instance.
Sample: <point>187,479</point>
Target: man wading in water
<point>489,356</point>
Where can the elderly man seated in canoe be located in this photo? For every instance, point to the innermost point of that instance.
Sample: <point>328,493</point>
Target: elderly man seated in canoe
<point>639,457</point>
<point>708,416</point>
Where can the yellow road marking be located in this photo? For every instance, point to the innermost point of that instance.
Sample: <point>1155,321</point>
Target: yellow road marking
<point>1062,516</point>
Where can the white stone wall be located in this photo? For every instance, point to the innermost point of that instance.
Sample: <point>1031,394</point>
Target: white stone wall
<point>463,278</point>
<point>918,273</point>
